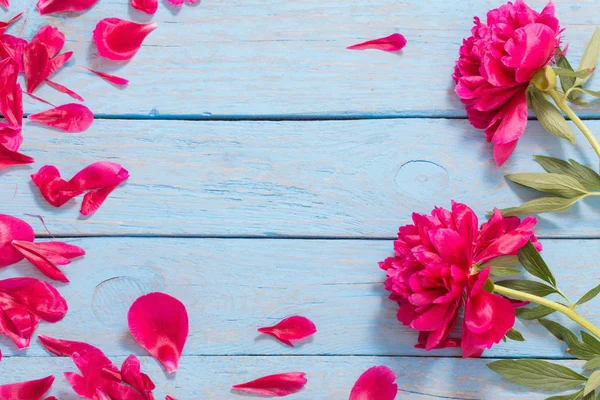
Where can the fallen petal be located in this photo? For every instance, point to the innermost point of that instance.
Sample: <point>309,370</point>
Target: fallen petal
<point>8,158</point>
<point>30,390</point>
<point>53,6</point>
<point>53,188</point>
<point>159,323</point>
<point>376,383</point>
<point>45,258</point>
<point>275,385</point>
<point>64,89</point>
<point>13,228</point>
<point>394,42</point>
<point>5,25</point>
<point>11,95</point>
<point>176,2</point>
<point>70,117</point>
<point>292,328</point>
<point>132,375</point>
<point>170,398</point>
<point>59,61</point>
<point>147,6</point>
<point>100,178</point>
<point>50,37</point>
<point>110,78</point>
<point>37,64</point>
<point>33,96</point>
<point>118,39</point>
<point>13,47</point>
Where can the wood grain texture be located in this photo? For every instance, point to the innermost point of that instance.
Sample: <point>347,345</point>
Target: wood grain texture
<point>247,58</point>
<point>311,178</point>
<point>231,287</point>
<point>329,378</point>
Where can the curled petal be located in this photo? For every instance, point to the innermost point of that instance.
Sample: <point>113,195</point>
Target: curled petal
<point>55,190</point>
<point>110,78</point>
<point>12,228</point>
<point>53,6</point>
<point>37,64</point>
<point>159,323</point>
<point>100,179</point>
<point>275,385</point>
<point>70,117</point>
<point>134,377</point>
<point>64,89</point>
<point>393,42</point>
<point>11,104</point>
<point>13,47</point>
<point>8,158</point>
<point>118,39</point>
<point>291,328</point>
<point>376,383</point>
<point>46,256</point>
<point>30,390</point>
<point>66,348</point>
<point>147,6</point>
<point>50,37</point>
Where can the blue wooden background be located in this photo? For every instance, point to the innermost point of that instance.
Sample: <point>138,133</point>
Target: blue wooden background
<point>270,169</point>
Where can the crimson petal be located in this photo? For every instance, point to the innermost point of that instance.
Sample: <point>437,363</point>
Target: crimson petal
<point>291,328</point>
<point>37,64</point>
<point>147,6</point>
<point>53,6</point>
<point>12,228</point>
<point>70,117</point>
<point>59,61</point>
<point>132,375</point>
<point>159,323</point>
<point>11,102</point>
<point>118,39</point>
<point>376,383</point>
<point>51,37</point>
<point>46,256</point>
<point>55,190</point>
<point>13,47</point>
<point>393,42</point>
<point>8,158</point>
<point>100,178</point>
<point>64,89</point>
<point>275,385</point>
<point>30,390</point>
<point>110,78</point>
<point>5,25</point>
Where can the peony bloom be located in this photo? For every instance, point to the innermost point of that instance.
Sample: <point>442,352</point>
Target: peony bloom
<point>495,66</point>
<point>432,275</point>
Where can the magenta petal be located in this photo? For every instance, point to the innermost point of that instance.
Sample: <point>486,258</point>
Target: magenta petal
<point>109,78</point>
<point>147,6</point>
<point>393,42</point>
<point>55,190</point>
<point>8,158</point>
<point>100,178</point>
<point>133,376</point>
<point>118,39</point>
<point>278,385</point>
<point>12,228</point>
<point>376,383</point>
<point>70,117</point>
<point>46,256</point>
<point>530,50</point>
<point>64,89</point>
<point>170,398</point>
<point>37,64</point>
<point>30,390</point>
<point>52,38</point>
<point>291,328</point>
<point>53,6</point>
<point>159,323</point>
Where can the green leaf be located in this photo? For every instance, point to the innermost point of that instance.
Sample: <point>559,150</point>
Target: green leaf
<point>537,374</point>
<point>582,73</point>
<point>550,117</point>
<point>504,271</point>
<point>591,341</point>
<point>566,82</point>
<point>585,175</point>
<point>530,313</point>
<point>588,296</point>
<point>533,262</point>
<point>593,363</point>
<point>557,184</point>
<point>541,205</point>
<point>572,396</point>
<point>515,335</point>
<point>531,287</point>
<point>582,351</point>
<point>592,383</point>
<point>504,261</point>
<point>590,56</point>
<point>559,331</point>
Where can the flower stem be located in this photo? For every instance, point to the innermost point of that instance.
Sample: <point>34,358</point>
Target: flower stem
<point>571,313</point>
<point>562,104</point>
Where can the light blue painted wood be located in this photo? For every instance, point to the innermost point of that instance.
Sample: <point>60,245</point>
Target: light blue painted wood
<point>233,286</point>
<point>329,378</point>
<point>211,60</point>
<point>335,178</point>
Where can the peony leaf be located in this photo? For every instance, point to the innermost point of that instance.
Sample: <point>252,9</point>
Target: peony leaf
<point>591,341</point>
<point>592,383</point>
<point>557,184</point>
<point>537,374</point>
<point>590,56</point>
<point>533,262</point>
<point>566,82</point>
<point>593,363</point>
<point>541,205</point>
<point>585,175</point>
<point>572,396</point>
<point>583,73</point>
<point>588,296</point>
<point>550,117</point>
<point>559,331</point>
<point>504,271</point>
<point>531,287</point>
<point>515,335</point>
<point>531,313</point>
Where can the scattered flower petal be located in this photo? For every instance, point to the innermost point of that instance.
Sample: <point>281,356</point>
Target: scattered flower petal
<point>13,229</point>
<point>394,42</point>
<point>132,375</point>
<point>147,6</point>
<point>376,383</point>
<point>33,96</point>
<point>118,39</point>
<point>159,323</point>
<point>46,256</point>
<point>176,2</point>
<point>11,99</point>
<point>170,398</point>
<point>30,390</point>
<point>292,328</point>
<point>8,158</point>
<point>37,64</point>
<point>53,6</point>
<point>23,303</point>
<point>5,25</point>
<point>275,385</point>
<point>110,78</point>
<point>64,89</point>
<point>70,117</point>
<point>59,61</point>
<point>100,178</point>
<point>51,37</point>
<point>55,190</point>
<point>13,47</point>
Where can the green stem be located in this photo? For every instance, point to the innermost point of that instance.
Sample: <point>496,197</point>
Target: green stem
<point>516,294</point>
<point>573,117</point>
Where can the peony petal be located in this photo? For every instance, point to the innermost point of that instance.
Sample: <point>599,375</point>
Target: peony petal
<point>110,78</point>
<point>12,228</point>
<point>118,39</point>
<point>46,257</point>
<point>132,375</point>
<point>275,385</point>
<point>176,2</point>
<point>101,178</point>
<point>70,117</point>
<point>11,103</point>
<point>64,89</point>
<point>55,190</point>
<point>530,50</point>
<point>37,64</point>
<point>291,328</point>
<point>170,398</point>
<point>50,37</point>
<point>66,348</point>
<point>159,323</point>
<point>53,6</point>
<point>8,158</point>
<point>376,383</point>
<point>147,6</point>
<point>393,42</point>
<point>30,390</point>
<point>5,25</point>
<point>13,47</point>
<point>59,61</point>
<point>33,96</point>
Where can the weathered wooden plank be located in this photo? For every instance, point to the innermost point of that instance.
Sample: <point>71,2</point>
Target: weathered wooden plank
<point>335,178</point>
<point>233,286</point>
<point>210,378</point>
<point>249,58</point>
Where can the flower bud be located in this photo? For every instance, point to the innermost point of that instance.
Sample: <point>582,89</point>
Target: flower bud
<point>544,79</point>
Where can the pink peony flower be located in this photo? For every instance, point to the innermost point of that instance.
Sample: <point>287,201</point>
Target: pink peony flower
<point>432,275</point>
<point>495,66</point>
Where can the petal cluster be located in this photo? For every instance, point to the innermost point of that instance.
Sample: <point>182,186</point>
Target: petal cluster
<point>432,275</point>
<point>495,66</point>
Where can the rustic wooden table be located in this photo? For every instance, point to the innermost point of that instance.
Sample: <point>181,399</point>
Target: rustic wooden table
<point>270,169</point>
